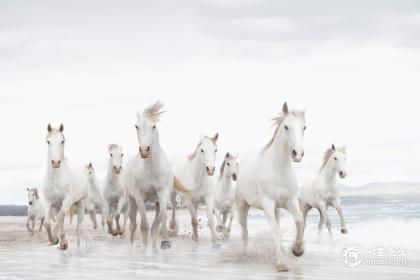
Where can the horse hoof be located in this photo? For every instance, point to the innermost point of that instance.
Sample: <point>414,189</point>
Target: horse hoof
<point>64,246</point>
<point>298,250</point>
<point>165,244</point>
<point>219,228</point>
<point>281,267</point>
<point>344,231</point>
<point>113,232</point>
<point>53,241</point>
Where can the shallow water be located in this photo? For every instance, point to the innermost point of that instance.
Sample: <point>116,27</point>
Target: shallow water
<point>388,224</point>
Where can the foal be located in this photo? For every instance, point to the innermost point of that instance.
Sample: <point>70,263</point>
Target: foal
<point>323,192</point>
<point>224,194</point>
<point>35,210</point>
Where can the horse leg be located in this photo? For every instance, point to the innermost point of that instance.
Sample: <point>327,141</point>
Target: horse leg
<point>210,204</point>
<point>41,224</point>
<point>268,207</point>
<point>67,202</point>
<point>120,207</point>
<point>80,215</point>
<point>132,214</point>
<point>324,213</point>
<point>109,220</point>
<point>154,231</point>
<point>27,224</point>
<point>219,226</point>
<point>92,214</point>
<point>336,204</point>
<point>224,218</point>
<point>172,224</point>
<point>294,209</point>
<point>144,225</point>
<point>52,240</point>
<point>33,225</point>
<point>321,222</point>
<point>163,216</point>
<point>229,227</point>
<point>277,215</point>
<point>243,209</point>
<point>194,222</point>
<point>306,208</point>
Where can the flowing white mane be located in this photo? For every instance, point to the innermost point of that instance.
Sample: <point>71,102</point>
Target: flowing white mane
<point>277,121</point>
<point>328,153</point>
<point>194,153</point>
<point>153,112</point>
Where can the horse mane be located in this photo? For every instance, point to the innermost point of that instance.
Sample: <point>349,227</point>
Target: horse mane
<point>153,112</point>
<point>222,167</point>
<point>328,153</point>
<point>194,153</point>
<point>277,121</point>
<point>113,146</point>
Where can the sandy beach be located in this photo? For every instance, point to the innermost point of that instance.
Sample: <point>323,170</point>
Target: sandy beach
<point>106,257</point>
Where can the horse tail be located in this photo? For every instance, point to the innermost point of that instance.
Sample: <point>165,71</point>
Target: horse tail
<point>178,186</point>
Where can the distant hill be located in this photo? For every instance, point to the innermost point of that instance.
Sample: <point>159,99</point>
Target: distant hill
<point>382,188</point>
<point>13,210</point>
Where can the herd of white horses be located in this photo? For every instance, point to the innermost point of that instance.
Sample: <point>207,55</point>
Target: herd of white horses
<point>266,181</point>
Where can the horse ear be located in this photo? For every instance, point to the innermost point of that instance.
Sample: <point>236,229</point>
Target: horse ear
<point>49,128</point>
<point>27,189</point>
<point>215,137</point>
<point>227,155</point>
<point>285,109</point>
<point>333,146</point>
<point>90,164</point>
<point>61,127</point>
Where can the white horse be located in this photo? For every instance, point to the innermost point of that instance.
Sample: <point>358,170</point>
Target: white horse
<point>94,201</point>
<point>149,178</point>
<point>268,182</point>
<point>195,172</point>
<point>63,187</point>
<point>224,194</point>
<point>114,189</point>
<point>35,210</point>
<point>323,192</point>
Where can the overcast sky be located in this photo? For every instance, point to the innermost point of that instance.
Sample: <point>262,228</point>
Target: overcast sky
<point>222,66</point>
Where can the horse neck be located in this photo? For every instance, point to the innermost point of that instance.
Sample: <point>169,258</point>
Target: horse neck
<point>226,182</point>
<point>327,172</point>
<point>197,168</point>
<point>279,152</point>
<point>153,161</point>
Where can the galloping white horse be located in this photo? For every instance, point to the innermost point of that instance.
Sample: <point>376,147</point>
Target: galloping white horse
<point>63,187</point>
<point>114,189</point>
<point>268,181</point>
<point>195,172</point>
<point>149,178</point>
<point>95,201</point>
<point>224,194</point>
<point>35,210</point>
<point>323,192</point>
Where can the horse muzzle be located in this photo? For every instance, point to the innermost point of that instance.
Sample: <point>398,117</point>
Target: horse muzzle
<point>342,174</point>
<point>55,163</point>
<point>210,171</point>
<point>144,151</point>
<point>117,169</point>
<point>297,157</point>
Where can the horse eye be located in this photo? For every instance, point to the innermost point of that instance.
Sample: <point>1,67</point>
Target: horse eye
<point>137,127</point>
<point>48,141</point>
<point>215,151</point>
<point>154,126</point>
<point>286,127</point>
<point>335,158</point>
<point>111,155</point>
<point>304,128</point>
<point>122,155</point>
<point>62,142</point>
<point>228,164</point>
<point>202,150</point>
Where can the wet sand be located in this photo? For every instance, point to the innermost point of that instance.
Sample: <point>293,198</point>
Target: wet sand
<point>102,256</point>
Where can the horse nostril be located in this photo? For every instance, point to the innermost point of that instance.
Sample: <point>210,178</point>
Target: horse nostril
<point>294,152</point>
<point>148,148</point>
<point>303,153</point>
<point>208,169</point>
